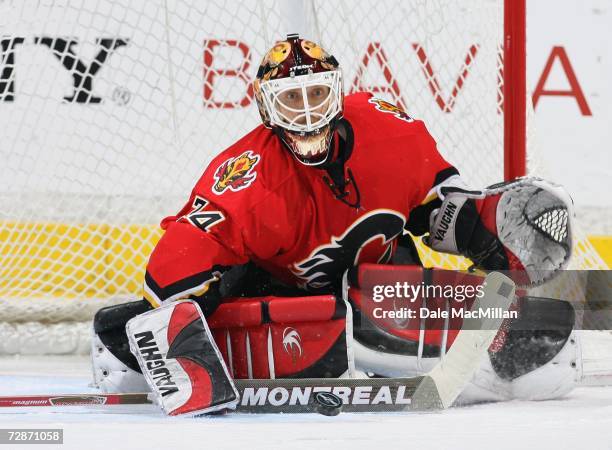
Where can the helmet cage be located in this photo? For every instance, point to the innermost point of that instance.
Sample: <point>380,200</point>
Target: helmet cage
<point>307,118</point>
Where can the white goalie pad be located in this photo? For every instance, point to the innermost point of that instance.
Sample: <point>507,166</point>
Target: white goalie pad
<point>180,360</point>
<point>110,374</point>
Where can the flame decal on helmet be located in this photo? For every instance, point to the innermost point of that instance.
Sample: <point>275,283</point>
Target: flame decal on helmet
<point>387,107</point>
<point>315,51</point>
<point>236,173</point>
<point>274,58</point>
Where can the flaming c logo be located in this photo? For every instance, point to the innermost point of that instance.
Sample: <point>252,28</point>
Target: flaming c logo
<point>236,173</point>
<point>372,233</point>
<point>387,107</point>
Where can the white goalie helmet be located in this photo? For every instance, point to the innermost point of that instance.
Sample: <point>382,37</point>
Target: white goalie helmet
<point>299,94</point>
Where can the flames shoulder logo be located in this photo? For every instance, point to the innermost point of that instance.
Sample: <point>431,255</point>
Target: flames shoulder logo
<point>236,173</point>
<point>373,233</point>
<point>390,108</point>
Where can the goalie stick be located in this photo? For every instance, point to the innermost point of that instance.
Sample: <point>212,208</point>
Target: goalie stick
<point>436,390</point>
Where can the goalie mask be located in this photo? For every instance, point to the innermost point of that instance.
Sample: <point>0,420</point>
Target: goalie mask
<point>298,90</point>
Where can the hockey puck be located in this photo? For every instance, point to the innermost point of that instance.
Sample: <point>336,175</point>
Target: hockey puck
<point>328,404</point>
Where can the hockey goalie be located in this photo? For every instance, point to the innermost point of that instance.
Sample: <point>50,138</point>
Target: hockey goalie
<point>247,280</point>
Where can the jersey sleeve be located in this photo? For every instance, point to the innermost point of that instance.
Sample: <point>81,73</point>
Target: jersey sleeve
<point>403,144</point>
<point>416,152</point>
<point>216,230</point>
<point>433,169</point>
<point>200,243</point>
<point>434,172</point>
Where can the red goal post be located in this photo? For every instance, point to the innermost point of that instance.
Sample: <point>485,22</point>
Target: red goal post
<point>515,89</point>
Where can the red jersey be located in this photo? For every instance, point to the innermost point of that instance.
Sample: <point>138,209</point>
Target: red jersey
<point>255,202</point>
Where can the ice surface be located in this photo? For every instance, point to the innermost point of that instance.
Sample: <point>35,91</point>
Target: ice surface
<point>583,420</point>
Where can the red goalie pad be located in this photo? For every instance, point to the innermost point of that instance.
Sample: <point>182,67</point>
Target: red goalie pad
<point>277,337</point>
<point>407,300</point>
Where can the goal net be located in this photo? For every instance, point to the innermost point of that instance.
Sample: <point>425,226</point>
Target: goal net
<point>111,110</point>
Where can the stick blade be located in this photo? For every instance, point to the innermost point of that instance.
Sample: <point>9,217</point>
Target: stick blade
<point>426,396</point>
<point>443,384</point>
